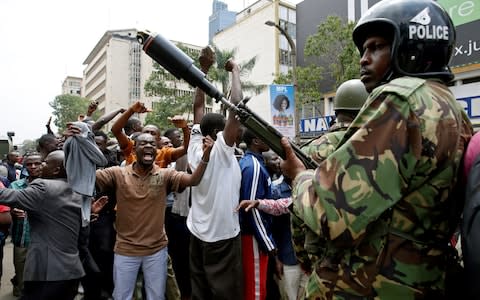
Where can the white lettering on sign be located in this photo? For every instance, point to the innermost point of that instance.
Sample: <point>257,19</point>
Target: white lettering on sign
<point>322,125</point>
<point>424,32</point>
<point>315,124</point>
<point>309,125</point>
<point>463,10</point>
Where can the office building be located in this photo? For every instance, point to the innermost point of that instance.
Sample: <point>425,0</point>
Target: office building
<point>72,86</point>
<point>117,69</point>
<point>220,19</point>
<point>251,37</point>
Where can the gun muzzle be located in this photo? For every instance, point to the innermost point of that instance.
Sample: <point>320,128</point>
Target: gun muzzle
<point>176,62</point>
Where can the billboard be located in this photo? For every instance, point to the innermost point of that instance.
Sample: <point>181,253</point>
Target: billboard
<point>282,105</point>
<point>466,18</point>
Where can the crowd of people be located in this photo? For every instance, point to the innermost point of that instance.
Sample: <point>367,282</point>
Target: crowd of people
<point>152,216</point>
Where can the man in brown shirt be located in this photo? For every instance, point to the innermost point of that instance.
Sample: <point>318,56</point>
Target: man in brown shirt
<point>141,190</point>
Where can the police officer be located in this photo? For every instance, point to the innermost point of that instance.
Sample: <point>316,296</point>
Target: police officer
<point>381,198</point>
<point>348,101</point>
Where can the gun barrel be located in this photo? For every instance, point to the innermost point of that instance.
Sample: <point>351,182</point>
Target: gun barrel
<point>181,66</point>
<point>176,62</point>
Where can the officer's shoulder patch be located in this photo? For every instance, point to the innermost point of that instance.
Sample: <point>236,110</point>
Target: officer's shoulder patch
<point>403,86</point>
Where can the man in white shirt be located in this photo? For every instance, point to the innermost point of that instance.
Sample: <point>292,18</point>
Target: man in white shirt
<point>215,245</point>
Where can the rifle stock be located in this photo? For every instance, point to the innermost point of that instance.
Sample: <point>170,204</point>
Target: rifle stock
<point>181,66</point>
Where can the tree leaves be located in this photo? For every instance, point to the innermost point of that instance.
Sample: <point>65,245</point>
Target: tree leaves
<point>67,108</point>
<point>329,53</point>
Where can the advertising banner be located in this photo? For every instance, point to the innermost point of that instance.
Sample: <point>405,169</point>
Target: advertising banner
<point>465,15</point>
<point>282,105</point>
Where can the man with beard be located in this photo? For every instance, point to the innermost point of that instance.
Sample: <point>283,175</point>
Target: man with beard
<point>141,190</point>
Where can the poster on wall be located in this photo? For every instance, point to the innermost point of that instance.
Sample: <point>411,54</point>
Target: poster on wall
<point>282,105</point>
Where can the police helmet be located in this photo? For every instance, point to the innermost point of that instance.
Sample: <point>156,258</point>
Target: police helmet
<point>423,36</point>
<point>351,95</point>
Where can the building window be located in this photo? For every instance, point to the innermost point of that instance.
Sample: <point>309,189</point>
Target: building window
<point>285,58</point>
<point>290,28</point>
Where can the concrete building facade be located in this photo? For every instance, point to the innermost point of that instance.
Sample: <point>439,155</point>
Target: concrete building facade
<point>72,85</point>
<point>252,38</point>
<point>117,69</point>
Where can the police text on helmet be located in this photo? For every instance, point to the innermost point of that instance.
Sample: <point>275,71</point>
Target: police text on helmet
<point>423,31</point>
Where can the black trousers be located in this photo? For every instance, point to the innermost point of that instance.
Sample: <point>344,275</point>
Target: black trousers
<point>48,290</point>
<point>178,249</point>
<point>216,269</point>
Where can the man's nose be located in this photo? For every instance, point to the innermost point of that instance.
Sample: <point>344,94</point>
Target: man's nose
<point>365,59</point>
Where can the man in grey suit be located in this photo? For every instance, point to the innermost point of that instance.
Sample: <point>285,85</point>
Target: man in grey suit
<point>53,267</point>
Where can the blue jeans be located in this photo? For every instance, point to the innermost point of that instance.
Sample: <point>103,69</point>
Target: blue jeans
<point>154,268</point>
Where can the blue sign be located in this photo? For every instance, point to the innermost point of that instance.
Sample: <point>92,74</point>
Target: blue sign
<point>314,126</point>
<point>471,106</point>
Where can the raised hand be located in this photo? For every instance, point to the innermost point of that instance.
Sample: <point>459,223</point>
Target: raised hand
<point>230,65</point>
<point>92,107</point>
<point>207,147</point>
<point>207,58</point>
<point>71,130</point>
<point>139,107</point>
<point>178,121</point>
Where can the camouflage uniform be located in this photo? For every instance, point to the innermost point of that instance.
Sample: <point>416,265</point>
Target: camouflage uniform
<point>322,147</point>
<point>380,199</point>
<point>308,246</point>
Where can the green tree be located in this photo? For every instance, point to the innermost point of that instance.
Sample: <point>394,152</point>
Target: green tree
<point>220,75</point>
<point>66,108</point>
<point>28,146</point>
<point>170,101</point>
<point>308,83</point>
<point>329,53</point>
<point>333,44</point>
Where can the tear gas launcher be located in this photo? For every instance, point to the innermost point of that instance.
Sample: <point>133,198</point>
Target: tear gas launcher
<point>181,66</point>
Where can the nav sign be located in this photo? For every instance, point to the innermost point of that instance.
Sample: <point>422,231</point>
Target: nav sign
<point>315,125</point>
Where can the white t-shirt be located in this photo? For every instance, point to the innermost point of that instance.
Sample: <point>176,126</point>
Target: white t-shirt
<point>212,216</point>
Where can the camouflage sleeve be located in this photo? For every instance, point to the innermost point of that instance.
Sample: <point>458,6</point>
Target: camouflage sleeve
<point>365,175</point>
<point>319,149</point>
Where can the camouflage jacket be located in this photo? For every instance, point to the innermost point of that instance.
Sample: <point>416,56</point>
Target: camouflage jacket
<point>381,198</point>
<point>309,247</point>
<point>320,148</point>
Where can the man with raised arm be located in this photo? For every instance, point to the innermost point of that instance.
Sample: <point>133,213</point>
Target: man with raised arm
<point>165,155</point>
<point>141,190</point>
<point>215,245</point>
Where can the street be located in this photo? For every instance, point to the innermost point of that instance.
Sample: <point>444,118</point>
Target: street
<point>8,272</point>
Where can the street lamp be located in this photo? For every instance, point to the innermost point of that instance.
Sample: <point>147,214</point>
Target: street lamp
<point>293,57</point>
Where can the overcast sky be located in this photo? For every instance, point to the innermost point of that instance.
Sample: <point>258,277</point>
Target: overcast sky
<point>45,41</point>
